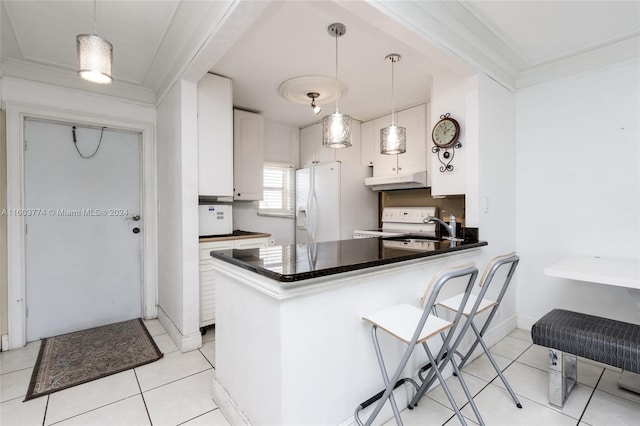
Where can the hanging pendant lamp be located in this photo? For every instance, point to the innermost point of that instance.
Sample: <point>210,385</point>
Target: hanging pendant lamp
<point>336,127</point>
<point>393,139</point>
<point>95,55</point>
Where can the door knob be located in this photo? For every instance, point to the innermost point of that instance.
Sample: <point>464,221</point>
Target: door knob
<point>136,230</point>
<point>136,217</point>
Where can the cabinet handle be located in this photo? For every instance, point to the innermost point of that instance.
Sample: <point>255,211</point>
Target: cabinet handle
<point>393,168</point>
<point>399,168</point>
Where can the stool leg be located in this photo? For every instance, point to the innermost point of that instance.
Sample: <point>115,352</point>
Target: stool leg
<point>388,393</point>
<point>436,369</point>
<point>495,366</point>
<point>467,393</point>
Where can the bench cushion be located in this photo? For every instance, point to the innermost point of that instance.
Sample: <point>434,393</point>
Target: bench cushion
<point>600,339</point>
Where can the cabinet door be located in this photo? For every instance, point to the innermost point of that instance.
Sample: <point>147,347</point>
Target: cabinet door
<point>366,143</point>
<point>383,165</point>
<point>248,157</point>
<point>415,159</point>
<point>215,137</point>
<point>207,293</point>
<point>350,155</point>
<point>247,243</point>
<point>310,143</point>
<point>206,248</point>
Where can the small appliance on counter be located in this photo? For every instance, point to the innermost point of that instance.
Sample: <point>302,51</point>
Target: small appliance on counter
<point>214,219</point>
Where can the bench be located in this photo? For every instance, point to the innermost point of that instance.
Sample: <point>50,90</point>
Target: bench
<point>570,334</point>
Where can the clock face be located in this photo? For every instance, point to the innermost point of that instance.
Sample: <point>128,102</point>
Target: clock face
<point>446,132</point>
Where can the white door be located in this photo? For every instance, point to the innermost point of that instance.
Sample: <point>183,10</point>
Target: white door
<point>84,232</point>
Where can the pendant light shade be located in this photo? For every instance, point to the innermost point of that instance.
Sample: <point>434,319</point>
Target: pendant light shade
<point>393,139</point>
<point>336,130</point>
<point>336,127</point>
<point>95,56</point>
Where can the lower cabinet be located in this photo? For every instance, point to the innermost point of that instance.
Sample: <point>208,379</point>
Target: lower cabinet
<point>208,276</point>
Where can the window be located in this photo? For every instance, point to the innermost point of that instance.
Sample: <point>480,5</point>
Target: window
<point>279,190</point>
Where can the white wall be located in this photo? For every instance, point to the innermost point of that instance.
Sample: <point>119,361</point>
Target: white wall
<point>578,186</point>
<point>281,145</point>
<point>485,170</point>
<point>494,180</point>
<point>178,279</point>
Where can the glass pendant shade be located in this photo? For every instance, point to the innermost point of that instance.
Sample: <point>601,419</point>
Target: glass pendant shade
<point>336,130</point>
<point>393,140</point>
<point>336,127</point>
<point>95,55</point>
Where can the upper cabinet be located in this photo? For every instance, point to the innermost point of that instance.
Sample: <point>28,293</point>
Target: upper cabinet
<point>215,136</point>
<point>415,159</point>
<point>248,155</point>
<point>312,151</point>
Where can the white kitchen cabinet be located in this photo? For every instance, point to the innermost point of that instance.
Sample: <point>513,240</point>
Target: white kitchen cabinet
<point>248,155</point>
<point>215,136</point>
<point>208,275</point>
<point>367,146</point>
<point>312,151</point>
<point>415,158</point>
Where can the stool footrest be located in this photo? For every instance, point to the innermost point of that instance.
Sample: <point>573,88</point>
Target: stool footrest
<point>377,396</point>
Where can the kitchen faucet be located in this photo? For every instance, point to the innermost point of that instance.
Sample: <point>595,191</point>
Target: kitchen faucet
<point>451,226</point>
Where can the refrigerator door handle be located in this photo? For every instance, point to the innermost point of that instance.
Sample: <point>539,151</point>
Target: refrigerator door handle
<point>312,217</point>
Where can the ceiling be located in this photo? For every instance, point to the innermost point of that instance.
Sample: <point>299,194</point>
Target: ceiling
<point>155,40</point>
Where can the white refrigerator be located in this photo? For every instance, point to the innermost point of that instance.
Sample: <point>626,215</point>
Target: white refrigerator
<point>332,201</point>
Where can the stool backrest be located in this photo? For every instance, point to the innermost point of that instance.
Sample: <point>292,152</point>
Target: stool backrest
<point>432,291</point>
<point>511,261</point>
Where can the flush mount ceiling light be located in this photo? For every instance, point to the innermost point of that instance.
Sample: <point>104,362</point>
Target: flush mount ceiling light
<point>313,95</point>
<point>296,89</point>
<point>95,55</point>
<point>393,139</point>
<point>336,127</point>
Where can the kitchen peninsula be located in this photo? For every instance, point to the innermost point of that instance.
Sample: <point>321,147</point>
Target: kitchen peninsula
<point>291,347</point>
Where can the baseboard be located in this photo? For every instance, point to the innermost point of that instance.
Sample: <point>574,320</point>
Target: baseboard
<point>526,323</point>
<point>186,343</point>
<point>227,405</point>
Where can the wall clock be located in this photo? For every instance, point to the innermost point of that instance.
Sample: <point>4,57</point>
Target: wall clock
<point>446,131</point>
<point>445,136</point>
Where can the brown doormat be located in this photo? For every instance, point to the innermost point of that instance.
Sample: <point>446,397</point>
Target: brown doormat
<point>75,358</point>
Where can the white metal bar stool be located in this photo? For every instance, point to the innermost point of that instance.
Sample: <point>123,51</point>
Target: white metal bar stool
<point>477,304</point>
<point>414,326</point>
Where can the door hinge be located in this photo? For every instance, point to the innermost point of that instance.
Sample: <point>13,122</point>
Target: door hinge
<point>25,229</point>
<point>26,312</point>
<point>25,144</point>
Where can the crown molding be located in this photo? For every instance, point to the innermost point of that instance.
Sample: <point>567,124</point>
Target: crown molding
<point>602,56</point>
<point>455,27</point>
<point>28,70</point>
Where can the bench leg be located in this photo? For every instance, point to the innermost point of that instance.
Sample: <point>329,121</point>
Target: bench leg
<point>563,375</point>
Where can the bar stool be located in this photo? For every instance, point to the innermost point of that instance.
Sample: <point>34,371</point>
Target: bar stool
<point>477,304</point>
<point>414,326</point>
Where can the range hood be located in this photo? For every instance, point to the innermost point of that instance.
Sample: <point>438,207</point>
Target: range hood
<point>406,181</point>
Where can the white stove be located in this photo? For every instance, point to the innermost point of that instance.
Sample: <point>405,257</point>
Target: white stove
<point>399,221</point>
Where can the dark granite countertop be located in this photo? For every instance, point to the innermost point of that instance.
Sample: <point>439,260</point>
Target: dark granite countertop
<point>299,262</point>
<point>236,235</point>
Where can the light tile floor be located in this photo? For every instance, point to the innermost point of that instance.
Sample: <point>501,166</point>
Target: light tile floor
<point>596,400</point>
<point>177,390</point>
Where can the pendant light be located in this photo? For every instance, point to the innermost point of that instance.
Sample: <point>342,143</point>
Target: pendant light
<point>95,55</point>
<point>393,139</point>
<point>336,127</point>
